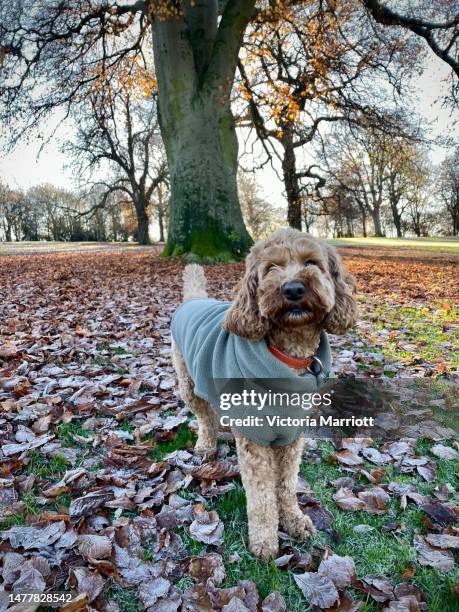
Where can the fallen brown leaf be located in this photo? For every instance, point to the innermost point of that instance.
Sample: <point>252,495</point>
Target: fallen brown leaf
<point>318,590</point>
<point>340,570</point>
<point>207,526</point>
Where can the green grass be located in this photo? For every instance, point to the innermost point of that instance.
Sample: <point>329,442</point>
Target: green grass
<point>118,350</point>
<point>435,244</point>
<point>31,508</point>
<point>44,467</point>
<point>101,361</point>
<point>185,438</point>
<point>429,328</point>
<point>96,467</point>
<point>379,551</point>
<point>14,519</point>
<point>374,552</point>
<point>107,353</point>
<point>268,578</point>
<point>66,431</point>
<point>127,426</point>
<point>126,599</point>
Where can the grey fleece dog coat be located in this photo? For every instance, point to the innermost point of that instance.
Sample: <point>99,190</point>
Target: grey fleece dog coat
<point>211,352</point>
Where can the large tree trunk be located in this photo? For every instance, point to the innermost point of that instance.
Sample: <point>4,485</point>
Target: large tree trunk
<point>205,215</point>
<point>195,59</point>
<point>292,186</point>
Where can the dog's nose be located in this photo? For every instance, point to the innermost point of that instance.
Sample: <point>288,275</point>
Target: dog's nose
<point>293,290</point>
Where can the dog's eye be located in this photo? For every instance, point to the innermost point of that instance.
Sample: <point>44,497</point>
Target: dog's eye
<point>309,262</point>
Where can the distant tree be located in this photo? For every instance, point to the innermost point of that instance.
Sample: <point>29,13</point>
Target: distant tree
<point>161,209</point>
<point>54,209</point>
<point>116,220</point>
<point>359,162</point>
<point>10,212</point>
<point>340,207</point>
<point>374,169</point>
<point>30,219</point>
<point>118,134</point>
<point>116,227</point>
<point>47,212</point>
<point>311,66</point>
<point>260,216</point>
<point>448,189</point>
<point>405,161</point>
<point>421,213</point>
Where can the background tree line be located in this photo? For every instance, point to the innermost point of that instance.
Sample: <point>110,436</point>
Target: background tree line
<point>372,188</point>
<point>46,212</point>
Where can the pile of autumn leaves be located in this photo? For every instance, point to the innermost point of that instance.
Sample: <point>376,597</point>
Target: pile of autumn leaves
<point>86,379</point>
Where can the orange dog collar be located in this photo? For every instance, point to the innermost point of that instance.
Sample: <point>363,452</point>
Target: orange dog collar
<point>293,362</point>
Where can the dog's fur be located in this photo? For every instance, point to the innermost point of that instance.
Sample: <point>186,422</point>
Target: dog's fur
<point>269,474</point>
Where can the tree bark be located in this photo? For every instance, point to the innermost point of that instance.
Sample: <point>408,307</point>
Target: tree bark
<point>396,217</point>
<point>349,228</point>
<point>453,210</point>
<point>375,214</point>
<point>394,199</point>
<point>205,215</point>
<point>8,235</point>
<point>291,182</point>
<point>398,224</point>
<point>161,224</point>
<point>143,223</point>
<point>195,58</point>
<point>364,225</point>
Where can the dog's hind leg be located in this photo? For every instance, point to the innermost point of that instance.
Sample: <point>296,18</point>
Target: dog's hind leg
<point>206,443</point>
<point>258,473</point>
<point>291,518</point>
<point>207,420</point>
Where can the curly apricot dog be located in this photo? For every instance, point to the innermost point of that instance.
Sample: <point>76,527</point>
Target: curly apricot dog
<point>294,289</point>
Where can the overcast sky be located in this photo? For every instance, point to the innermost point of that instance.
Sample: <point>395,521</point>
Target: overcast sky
<point>25,166</point>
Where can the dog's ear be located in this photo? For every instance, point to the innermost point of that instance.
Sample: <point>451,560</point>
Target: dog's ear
<point>243,317</point>
<point>344,313</point>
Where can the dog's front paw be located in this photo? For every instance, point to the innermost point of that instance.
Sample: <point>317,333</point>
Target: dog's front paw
<point>264,550</point>
<point>299,526</point>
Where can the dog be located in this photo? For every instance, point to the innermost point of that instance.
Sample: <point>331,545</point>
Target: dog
<point>294,289</point>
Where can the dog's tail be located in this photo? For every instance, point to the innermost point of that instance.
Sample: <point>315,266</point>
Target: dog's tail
<point>194,282</point>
